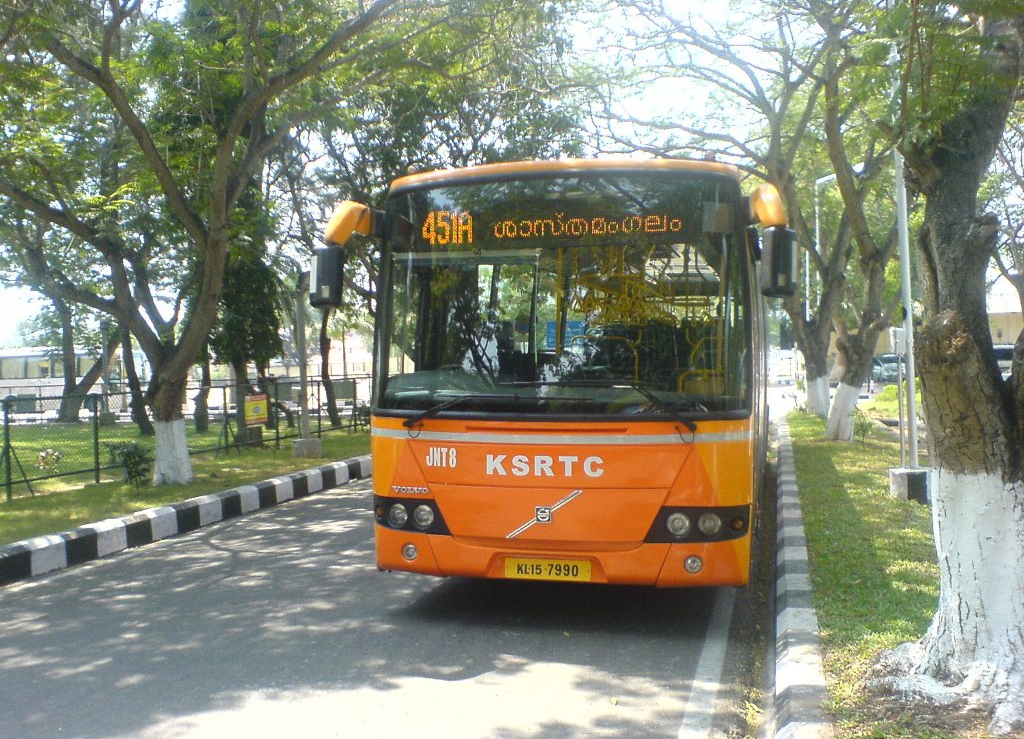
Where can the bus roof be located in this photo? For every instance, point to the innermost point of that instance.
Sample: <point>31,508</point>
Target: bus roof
<point>559,166</point>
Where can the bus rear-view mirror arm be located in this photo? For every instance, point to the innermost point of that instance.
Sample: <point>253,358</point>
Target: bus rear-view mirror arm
<point>328,265</point>
<point>778,252</point>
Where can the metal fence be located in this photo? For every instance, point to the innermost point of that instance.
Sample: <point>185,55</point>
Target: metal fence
<point>38,446</point>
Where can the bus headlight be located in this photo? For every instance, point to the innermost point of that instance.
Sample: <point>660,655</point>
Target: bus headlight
<point>398,514</point>
<point>423,517</point>
<point>710,524</point>
<point>678,524</point>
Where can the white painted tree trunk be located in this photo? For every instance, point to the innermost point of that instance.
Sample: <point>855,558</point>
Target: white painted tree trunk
<point>840,416</point>
<point>974,649</point>
<point>817,396</point>
<point>173,464</point>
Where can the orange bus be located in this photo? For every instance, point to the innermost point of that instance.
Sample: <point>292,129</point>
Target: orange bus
<point>569,368</point>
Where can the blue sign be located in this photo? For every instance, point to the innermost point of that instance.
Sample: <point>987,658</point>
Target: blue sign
<point>572,328</point>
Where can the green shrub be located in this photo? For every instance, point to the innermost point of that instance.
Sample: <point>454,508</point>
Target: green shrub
<point>862,424</point>
<point>136,459</point>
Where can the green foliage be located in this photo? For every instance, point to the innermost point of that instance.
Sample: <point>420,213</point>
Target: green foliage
<point>872,567</point>
<point>136,460</point>
<point>862,425</point>
<point>64,503</point>
<point>48,459</point>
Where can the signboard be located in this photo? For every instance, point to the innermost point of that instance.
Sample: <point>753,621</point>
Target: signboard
<point>256,409</point>
<point>572,328</point>
<point>898,340</point>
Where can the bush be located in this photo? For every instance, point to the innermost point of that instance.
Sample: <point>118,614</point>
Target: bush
<point>862,424</point>
<point>48,459</point>
<point>136,459</point>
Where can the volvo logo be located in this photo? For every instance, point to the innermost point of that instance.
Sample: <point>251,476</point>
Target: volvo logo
<point>544,514</point>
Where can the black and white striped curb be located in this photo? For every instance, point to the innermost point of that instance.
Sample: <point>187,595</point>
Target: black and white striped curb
<point>32,557</point>
<point>799,679</point>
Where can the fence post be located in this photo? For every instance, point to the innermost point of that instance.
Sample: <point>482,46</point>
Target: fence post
<point>275,398</point>
<point>7,449</point>
<point>95,435</point>
<point>320,409</point>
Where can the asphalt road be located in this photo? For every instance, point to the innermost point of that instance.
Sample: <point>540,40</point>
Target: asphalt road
<point>277,624</point>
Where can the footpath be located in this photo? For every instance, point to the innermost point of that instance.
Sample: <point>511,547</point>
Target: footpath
<point>799,684</point>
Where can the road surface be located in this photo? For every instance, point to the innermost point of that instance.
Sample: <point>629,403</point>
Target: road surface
<point>278,625</point>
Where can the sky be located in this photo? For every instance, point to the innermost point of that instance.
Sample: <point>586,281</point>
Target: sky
<point>16,305</point>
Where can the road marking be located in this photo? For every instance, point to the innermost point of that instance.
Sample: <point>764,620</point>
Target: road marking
<point>700,705</point>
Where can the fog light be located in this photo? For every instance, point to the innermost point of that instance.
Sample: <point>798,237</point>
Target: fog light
<point>678,524</point>
<point>710,524</point>
<point>398,515</point>
<point>693,564</point>
<point>410,552</point>
<point>423,517</point>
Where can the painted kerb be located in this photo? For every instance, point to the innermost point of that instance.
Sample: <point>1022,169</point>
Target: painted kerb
<point>42,554</point>
<point>799,679</point>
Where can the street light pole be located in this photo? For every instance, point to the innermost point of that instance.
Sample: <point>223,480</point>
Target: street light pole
<point>818,183</point>
<point>304,446</point>
<point>903,243</point>
<point>300,346</point>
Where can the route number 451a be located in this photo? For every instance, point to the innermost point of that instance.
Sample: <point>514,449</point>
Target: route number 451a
<point>443,227</point>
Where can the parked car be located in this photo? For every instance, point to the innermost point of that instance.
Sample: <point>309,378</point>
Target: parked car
<point>888,368</point>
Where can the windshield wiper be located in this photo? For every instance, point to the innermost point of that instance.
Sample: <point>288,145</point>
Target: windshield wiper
<point>666,407</point>
<point>451,403</point>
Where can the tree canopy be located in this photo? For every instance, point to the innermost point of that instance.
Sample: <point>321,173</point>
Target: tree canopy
<point>133,131</point>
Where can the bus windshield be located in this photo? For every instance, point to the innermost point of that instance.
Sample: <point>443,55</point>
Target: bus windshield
<point>601,293</point>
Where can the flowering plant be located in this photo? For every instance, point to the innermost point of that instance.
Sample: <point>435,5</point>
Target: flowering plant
<point>48,459</point>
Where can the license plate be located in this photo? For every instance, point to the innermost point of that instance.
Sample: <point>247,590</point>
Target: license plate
<point>573,570</point>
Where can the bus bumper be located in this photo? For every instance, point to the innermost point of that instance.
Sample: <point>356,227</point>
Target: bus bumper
<point>659,565</point>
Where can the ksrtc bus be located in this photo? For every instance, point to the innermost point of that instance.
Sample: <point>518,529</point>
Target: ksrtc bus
<point>569,368</point>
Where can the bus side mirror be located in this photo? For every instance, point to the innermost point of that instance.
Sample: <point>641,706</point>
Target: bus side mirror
<point>325,278</point>
<point>351,217</point>
<point>779,262</point>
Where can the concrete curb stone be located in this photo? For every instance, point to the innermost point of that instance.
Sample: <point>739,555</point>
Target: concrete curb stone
<point>799,679</point>
<point>39,555</point>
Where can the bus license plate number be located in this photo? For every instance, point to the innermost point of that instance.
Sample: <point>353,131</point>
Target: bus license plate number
<point>547,569</point>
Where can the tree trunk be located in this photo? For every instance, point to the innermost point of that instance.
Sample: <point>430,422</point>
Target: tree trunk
<point>815,371</point>
<point>812,339</point>
<point>817,392</point>
<point>201,401</point>
<point>131,376</point>
<point>968,644</point>
<point>839,426</point>
<point>173,464</point>
<point>325,371</point>
<point>974,649</point>
<point>857,350</point>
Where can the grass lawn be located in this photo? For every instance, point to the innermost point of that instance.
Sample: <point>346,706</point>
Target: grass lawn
<point>65,503</point>
<point>872,565</point>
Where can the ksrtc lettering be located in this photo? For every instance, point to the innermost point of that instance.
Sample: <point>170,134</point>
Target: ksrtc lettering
<point>542,465</point>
